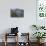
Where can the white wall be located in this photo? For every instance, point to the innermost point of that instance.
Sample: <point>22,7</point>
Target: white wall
<point>24,24</point>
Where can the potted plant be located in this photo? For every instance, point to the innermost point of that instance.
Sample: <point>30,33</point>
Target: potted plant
<point>39,35</point>
<point>38,27</point>
<point>35,26</point>
<point>42,27</point>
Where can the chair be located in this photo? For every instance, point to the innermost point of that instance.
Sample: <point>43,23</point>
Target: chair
<point>25,36</point>
<point>7,35</point>
<point>14,32</point>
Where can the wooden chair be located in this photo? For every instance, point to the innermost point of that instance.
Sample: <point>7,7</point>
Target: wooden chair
<point>8,34</point>
<point>27,37</point>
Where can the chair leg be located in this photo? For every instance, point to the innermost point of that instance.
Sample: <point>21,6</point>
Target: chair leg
<point>5,40</point>
<point>5,43</point>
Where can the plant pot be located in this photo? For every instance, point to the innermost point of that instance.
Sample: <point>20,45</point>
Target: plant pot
<point>40,41</point>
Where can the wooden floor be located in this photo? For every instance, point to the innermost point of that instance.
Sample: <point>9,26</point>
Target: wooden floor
<point>13,44</point>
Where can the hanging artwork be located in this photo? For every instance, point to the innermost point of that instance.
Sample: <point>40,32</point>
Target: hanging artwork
<point>17,13</point>
<point>41,13</point>
<point>41,8</point>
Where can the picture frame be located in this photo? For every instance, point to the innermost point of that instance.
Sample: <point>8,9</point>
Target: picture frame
<point>17,12</point>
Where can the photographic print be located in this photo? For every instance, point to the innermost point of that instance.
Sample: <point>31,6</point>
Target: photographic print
<point>17,13</point>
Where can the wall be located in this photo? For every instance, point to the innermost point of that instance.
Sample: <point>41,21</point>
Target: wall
<point>24,24</point>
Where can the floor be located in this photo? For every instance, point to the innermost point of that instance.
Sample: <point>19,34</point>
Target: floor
<point>13,44</point>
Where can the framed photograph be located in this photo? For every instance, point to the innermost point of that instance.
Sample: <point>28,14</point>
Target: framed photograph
<point>17,13</point>
<point>41,12</point>
<point>41,8</point>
